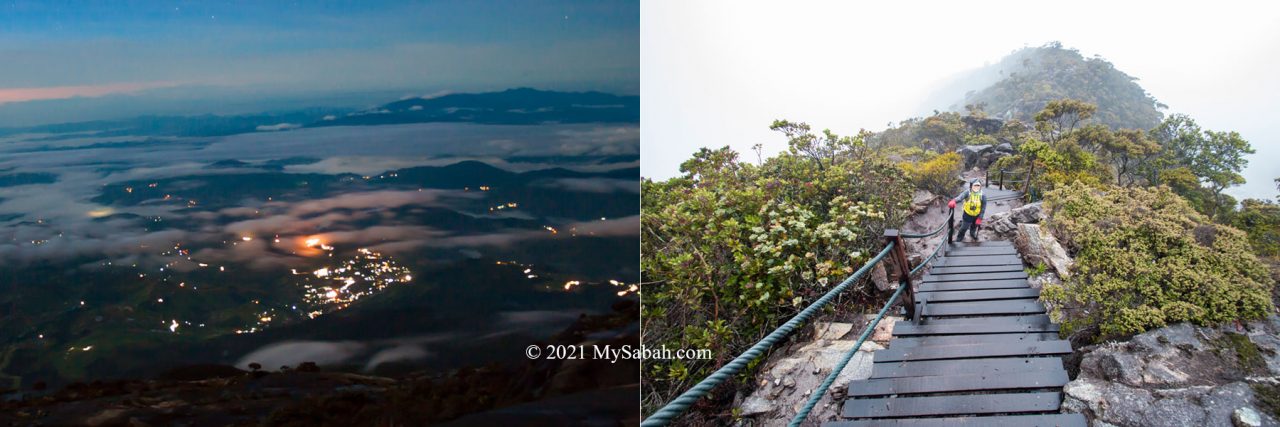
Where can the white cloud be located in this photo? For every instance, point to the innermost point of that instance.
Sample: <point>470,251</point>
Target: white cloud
<point>278,127</point>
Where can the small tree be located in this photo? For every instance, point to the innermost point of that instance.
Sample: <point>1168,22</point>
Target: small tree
<point>1127,149</point>
<point>1060,117</point>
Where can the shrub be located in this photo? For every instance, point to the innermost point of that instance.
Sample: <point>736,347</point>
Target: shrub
<point>1145,258</point>
<point>938,175</point>
<point>730,250</point>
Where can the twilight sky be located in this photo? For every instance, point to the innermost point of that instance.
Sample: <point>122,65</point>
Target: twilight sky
<point>718,73</point>
<point>250,49</point>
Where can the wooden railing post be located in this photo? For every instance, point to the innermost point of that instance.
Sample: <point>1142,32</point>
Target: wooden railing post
<point>1002,179</point>
<point>903,270</point>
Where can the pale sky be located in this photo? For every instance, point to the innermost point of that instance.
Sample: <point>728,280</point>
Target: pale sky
<point>78,50</point>
<point>717,73</point>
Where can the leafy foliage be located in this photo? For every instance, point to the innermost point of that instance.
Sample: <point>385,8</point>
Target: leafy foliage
<point>1260,220</point>
<point>1214,159</point>
<point>937,175</point>
<point>1145,258</point>
<point>732,249</point>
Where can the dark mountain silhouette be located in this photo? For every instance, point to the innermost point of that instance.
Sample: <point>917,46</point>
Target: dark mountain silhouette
<point>512,106</point>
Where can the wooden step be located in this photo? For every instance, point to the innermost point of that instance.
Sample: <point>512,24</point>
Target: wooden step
<point>970,351</point>
<point>955,383</point>
<point>1004,275</point>
<point>990,366</point>
<point>909,342</point>
<point>954,250</point>
<point>984,244</point>
<point>1027,319</point>
<point>906,329</point>
<point>976,269</point>
<point>981,295</point>
<point>979,260</point>
<point>1037,420</point>
<point>981,308</point>
<point>1005,403</point>
<point>973,285</point>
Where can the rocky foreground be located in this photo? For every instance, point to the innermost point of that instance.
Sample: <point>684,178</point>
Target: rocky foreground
<point>541,392</point>
<point>1183,375</point>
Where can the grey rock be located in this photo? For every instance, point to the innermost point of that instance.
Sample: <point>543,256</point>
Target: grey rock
<point>786,381</point>
<point>1224,400</point>
<point>1120,367</point>
<point>921,200</point>
<point>984,126</point>
<point>1038,281</point>
<point>972,154</point>
<point>1005,147</point>
<point>990,158</point>
<point>1039,247</point>
<point>1246,417</point>
<point>880,277</point>
<point>1030,213</point>
<point>1175,412</point>
<point>1004,224</point>
<point>1125,406</point>
<point>1161,373</point>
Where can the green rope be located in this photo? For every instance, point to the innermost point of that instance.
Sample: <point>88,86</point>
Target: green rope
<point>835,372</point>
<point>677,406</point>
<point>929,234</point>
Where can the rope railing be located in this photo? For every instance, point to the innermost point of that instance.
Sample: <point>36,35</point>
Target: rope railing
<point>902,284</point>
<point>678,405</point>
<point>675,407</point>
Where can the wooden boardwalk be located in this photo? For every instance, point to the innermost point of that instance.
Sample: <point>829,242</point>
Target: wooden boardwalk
<point>983,352</point>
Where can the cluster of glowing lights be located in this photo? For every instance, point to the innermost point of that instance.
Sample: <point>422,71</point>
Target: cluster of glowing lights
<point>504,206</point>
<point>335,287</point>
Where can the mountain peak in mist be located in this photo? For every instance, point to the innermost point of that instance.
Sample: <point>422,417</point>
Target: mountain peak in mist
<point>1022,83</point>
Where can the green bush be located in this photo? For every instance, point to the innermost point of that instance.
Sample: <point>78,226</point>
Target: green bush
<point>1146,258</point>
<point>939,175</point>
<point>731,249</point>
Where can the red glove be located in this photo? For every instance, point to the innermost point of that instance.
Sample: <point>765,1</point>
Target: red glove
<point>951,204</point>
<point>977,221</point>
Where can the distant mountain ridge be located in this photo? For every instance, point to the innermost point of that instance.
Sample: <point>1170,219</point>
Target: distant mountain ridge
<point>521,106</point>
<point>512,106</point>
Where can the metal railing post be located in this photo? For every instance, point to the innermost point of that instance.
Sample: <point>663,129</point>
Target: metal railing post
<point>903,267</point>
<point>951,225</point>
<point>1002,179</point>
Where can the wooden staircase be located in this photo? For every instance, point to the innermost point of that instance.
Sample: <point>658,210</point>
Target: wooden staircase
<point>981,352</point>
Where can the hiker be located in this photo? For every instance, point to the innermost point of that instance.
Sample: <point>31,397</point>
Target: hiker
<point>975,206</point>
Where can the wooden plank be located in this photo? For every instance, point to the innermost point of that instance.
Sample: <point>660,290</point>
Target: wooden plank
<point>1035,420</point>
<point>979,253</point>
<point>1005,403</point>
<point>955,383</point>
<point>974,277</point>
<point>906,329</point>
<point>989,250</point>
<point>1029,319</point>
<point>972,285</point>
<point>979,260</point>
<point>909,342</point>
<point>982,295</point>
<point>993,366</point>
<point>984,244</point>
<point>978,308</point>
<point>969,269</point>
<point>970,351</point>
